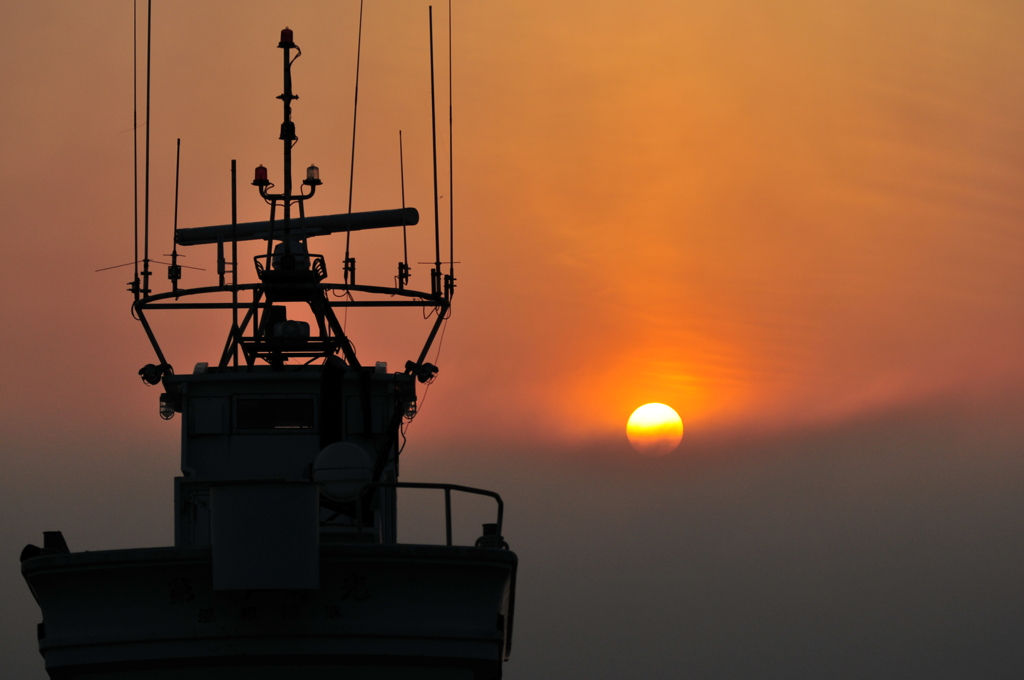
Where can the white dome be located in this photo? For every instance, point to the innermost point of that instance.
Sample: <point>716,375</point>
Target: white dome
<point>342,469</point>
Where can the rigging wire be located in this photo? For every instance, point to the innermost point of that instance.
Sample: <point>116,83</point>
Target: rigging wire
<point>352,162</point>
<point>349,268</point>
<point>423,401</point>
<point>126,264</point>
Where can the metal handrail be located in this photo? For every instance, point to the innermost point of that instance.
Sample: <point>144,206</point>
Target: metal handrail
<point>146,302</point>
<point>448,488</point>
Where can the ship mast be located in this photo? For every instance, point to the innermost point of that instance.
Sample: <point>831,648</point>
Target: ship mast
<point>286,551</point>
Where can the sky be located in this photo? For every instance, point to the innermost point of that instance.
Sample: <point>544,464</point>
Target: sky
<point>798,223</point>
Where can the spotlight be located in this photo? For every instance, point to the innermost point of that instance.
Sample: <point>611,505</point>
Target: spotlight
<point>152,374</point>
<point>166,406</point>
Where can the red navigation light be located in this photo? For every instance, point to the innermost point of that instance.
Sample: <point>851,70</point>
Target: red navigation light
<point>261,177</point>
<point>286,38</point>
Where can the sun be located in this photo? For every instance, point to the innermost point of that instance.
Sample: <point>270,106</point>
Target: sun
<point>654,429</point>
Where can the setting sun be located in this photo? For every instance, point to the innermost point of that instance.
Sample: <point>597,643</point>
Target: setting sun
<point>654,429</point>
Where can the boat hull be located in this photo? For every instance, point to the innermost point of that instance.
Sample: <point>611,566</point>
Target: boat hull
<point>382,611</point>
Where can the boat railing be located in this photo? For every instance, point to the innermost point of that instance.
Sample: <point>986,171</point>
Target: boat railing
<point>492,537</point>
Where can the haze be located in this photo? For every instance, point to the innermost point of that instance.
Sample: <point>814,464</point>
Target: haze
<point>797,223</point>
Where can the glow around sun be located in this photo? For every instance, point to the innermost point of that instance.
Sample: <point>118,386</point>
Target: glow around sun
<point>654,429</point>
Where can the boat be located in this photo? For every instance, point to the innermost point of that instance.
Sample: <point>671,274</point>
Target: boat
<point>286,561</point>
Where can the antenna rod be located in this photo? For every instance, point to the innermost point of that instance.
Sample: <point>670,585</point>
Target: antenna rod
<point>149,51</point>
<point>403,268</point>
<point>234,258</point>
<point>450,288</point>
<point>174,271</point>
<point>435,274</point>
<point>135,136</point>
<point>288,137</point>
<point>350,267</point>
<point>221,263</point>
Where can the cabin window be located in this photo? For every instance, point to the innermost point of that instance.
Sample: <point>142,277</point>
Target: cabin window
<point>274,414</point>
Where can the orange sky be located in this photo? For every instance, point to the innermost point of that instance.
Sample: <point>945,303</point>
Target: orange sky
<point>760,215</point>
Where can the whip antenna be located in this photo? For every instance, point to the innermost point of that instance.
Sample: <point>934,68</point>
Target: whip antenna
<point>449,288</point>
<point>135,136</point>
<point>350,263</point>
<point>149,51</point>
<point>234,259</point>
<point>435,273</point>
<point>173,270</point>
<point>403,266</point>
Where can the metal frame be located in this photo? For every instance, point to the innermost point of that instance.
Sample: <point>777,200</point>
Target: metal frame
<point>321,305</point>
<point>448,488</point>
<point>280,280</point>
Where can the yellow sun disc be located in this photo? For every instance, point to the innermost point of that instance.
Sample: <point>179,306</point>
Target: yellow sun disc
<point>654,429</point>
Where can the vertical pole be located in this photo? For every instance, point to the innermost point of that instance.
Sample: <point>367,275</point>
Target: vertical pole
<point>149,51</point>
<point>448,515</point>
<point>255,323</point>
<point>175,272</point>
<point>435,274</point>
<point>270,238</point>
<point>221,264</point>
<point>135,138</point>
<point>287,130</point>
<point>403,269</point>
<point>450,288</point>
<point>234,259</point>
